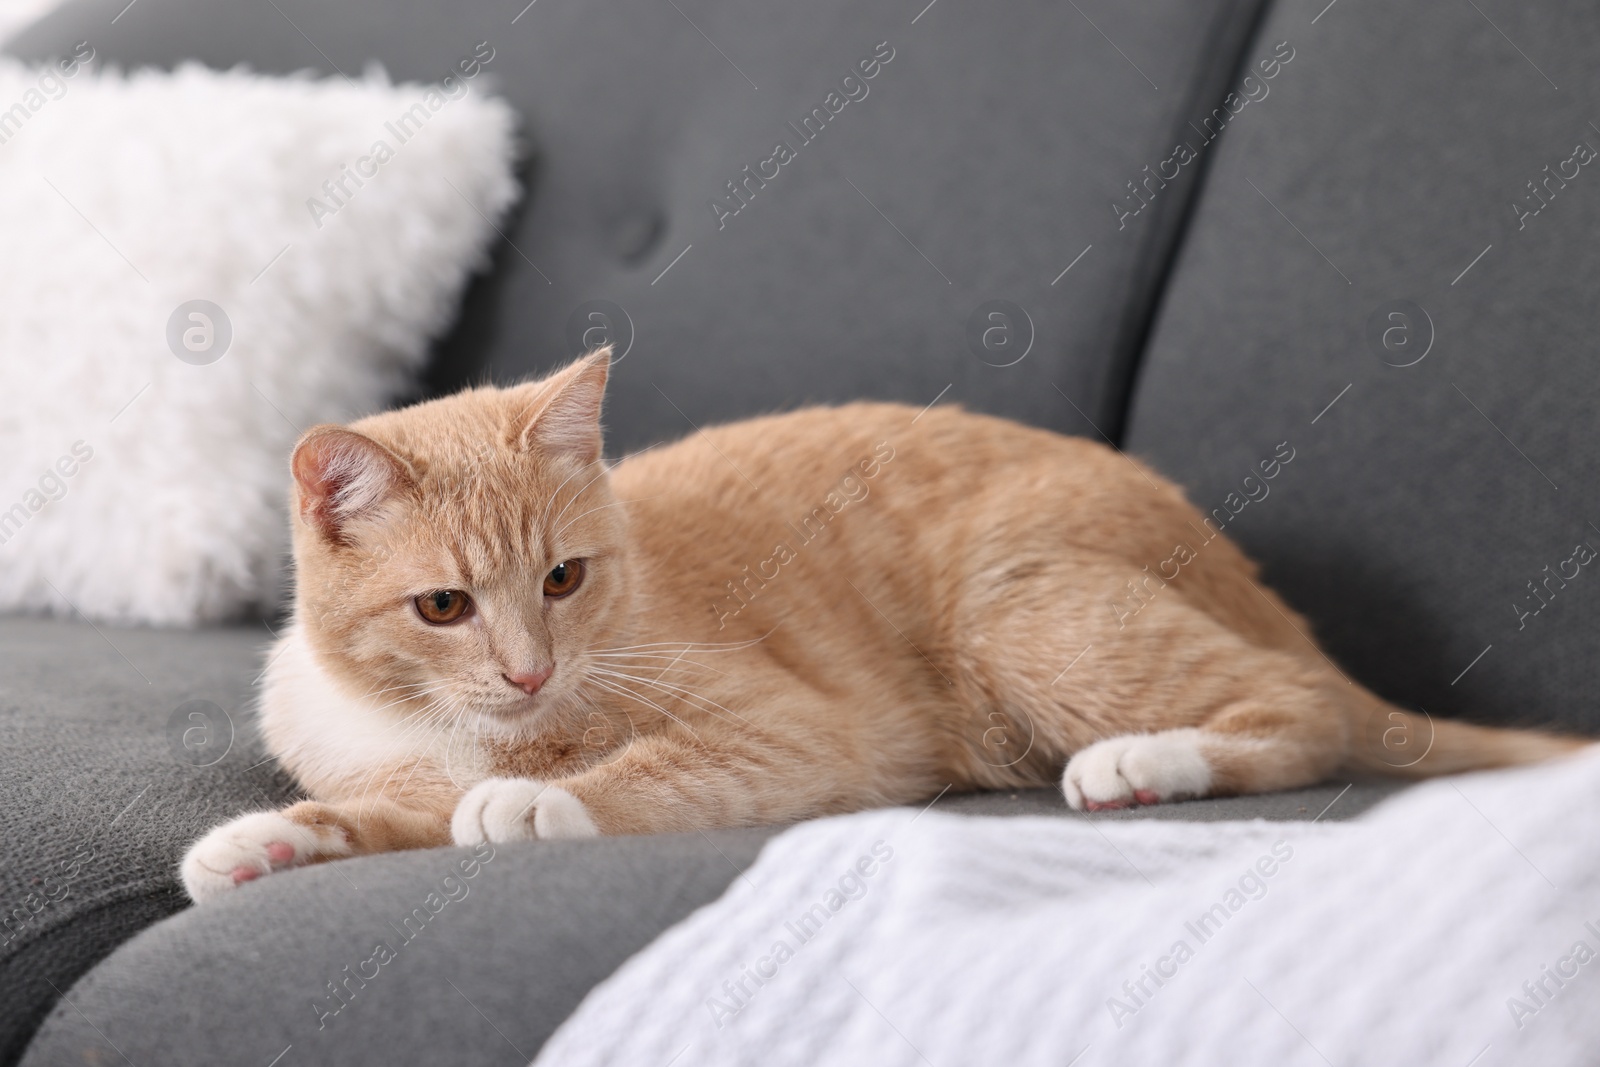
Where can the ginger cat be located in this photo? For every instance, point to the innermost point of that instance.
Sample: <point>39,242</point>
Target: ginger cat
<point>496,637</point>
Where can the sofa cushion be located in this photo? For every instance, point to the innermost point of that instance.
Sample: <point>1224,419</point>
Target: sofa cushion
<point>978,161</point>
<point>1391,274</point>
<point>497,963</point>
<point>117,748</point>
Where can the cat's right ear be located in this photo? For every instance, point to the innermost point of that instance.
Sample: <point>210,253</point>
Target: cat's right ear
<point>559,416</point>
<point>340,476</point>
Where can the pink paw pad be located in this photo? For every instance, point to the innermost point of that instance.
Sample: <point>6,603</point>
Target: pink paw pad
<point>244,874</point>
<point>1147,796</point>
<point>1105,805</point>
<point>280,851</point>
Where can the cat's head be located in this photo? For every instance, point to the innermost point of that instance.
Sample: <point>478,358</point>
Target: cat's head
<point>465,551</point>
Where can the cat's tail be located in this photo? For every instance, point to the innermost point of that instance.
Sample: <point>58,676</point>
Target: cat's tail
<point>1407,744</point>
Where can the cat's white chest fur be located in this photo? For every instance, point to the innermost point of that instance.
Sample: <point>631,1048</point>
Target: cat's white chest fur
<point>334,743</point>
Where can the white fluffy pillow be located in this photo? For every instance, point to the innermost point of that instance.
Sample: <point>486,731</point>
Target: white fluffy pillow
<point>136,485</point>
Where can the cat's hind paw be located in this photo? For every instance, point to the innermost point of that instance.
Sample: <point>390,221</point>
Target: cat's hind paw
<point>518,809</point>
<point>252,845</point>
<point>1120,772</point>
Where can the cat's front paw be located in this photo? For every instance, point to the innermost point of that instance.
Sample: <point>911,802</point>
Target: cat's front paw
<point>518,809</point>
<point>253,845</point>
<point>1137,769</point>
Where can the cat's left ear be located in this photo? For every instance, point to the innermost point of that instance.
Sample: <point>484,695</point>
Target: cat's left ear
<point>560,416</point>
<point>342,476</point>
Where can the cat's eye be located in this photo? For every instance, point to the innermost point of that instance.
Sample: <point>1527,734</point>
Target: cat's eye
<point>443,607</point>
<point>564,578</point>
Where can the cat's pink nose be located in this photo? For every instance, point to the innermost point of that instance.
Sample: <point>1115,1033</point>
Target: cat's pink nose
<point>530,681</point>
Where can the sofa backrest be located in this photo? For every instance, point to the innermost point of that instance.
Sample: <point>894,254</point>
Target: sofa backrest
<point>771,204</point>
<point>1392,268</point>
<point>1388,270</point>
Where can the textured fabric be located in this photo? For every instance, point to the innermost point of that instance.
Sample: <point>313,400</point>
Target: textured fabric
<point>1331,800</point>
<point>898,938</point>
<point>117,749</point>
<point>485,978</point>
<point>290,273</point>
<point>845,273</point>
<point>1396,151</point>
<point>543,924</point>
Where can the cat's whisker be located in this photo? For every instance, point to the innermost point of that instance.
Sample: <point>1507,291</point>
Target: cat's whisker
<point>706,646</point>
<point>671,666</point>
<point>630,659</point>
<point>421,689</point>
<point>419,733</point>
<point>403,685</point>
<point>605,469</point>
<point>423,736</point>
<point>431,695</point>
<point>663,653</point>
<point>411,696</point>
<point>688,696</point>
<point>449,747</point>
<point>620,690</point>
<point>416,728</point>
<point>588,703</point>
<point>669,646</point>
<point>602,507</point>
<point>373,694</point>
<point>477,729</point>
<point>445,714</point>
<point>684,675</point>
<point>426,692</point>
<point>670,688</point>
<point>544,517</point>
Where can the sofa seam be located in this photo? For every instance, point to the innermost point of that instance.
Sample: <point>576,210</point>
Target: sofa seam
<point>1161,248</point>
<point>120,894</point>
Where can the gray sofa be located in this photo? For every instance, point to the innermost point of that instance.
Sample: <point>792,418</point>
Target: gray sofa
<point>1374,250</point>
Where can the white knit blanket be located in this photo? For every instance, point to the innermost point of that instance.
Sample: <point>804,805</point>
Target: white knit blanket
<point>1456,924</point>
